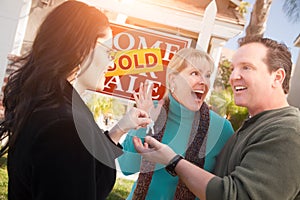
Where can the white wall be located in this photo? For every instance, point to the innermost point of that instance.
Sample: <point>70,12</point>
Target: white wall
<point>13,21</point>
<point>294,95</point>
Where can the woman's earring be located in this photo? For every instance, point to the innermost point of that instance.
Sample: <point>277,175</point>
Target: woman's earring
<point>78,71</point>
<point>172,90</point>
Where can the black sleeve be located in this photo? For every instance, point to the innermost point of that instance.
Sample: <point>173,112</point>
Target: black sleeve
<point>63,168</point>
<point>118,145</point>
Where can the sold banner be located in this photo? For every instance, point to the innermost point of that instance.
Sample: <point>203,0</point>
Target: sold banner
<point>136,62</point>
<point>142,56</point>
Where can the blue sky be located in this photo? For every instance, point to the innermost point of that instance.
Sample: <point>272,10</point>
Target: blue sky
<point>278,27</point>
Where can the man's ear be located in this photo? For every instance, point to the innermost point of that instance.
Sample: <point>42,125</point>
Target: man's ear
<point>279,77</point>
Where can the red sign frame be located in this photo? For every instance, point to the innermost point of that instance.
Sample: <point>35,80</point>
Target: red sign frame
<point>128,38</point>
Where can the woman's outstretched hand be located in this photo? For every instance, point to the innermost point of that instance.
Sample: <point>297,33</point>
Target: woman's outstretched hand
<point>144,100</point>
<point>134,119</point>
<point>153,150</point>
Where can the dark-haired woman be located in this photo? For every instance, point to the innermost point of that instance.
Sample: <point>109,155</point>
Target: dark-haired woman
<point>56,150</point>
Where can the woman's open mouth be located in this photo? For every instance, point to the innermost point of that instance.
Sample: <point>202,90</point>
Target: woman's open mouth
<point>199,94</point>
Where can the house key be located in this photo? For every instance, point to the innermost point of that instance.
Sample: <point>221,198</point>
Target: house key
<point>150,127</point>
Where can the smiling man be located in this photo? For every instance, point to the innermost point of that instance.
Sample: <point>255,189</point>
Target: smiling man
<point>261,160</point>
<point>260,76</point>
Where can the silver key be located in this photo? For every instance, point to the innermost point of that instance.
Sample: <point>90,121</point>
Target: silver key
<point>150,126</point>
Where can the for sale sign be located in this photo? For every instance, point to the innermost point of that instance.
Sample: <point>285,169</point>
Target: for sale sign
<point>143,56</point>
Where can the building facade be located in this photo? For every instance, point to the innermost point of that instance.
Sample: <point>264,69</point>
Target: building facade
<point>293,96</point>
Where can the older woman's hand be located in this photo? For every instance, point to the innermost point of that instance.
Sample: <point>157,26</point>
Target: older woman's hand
<point>144,100</point>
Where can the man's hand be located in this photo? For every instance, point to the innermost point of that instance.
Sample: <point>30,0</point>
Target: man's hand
<point>153,150</point>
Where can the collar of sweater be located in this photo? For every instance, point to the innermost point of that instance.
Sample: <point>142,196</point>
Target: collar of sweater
<point>179,111</point>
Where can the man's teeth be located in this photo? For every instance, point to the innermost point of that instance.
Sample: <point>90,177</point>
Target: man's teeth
<point>239,88</point>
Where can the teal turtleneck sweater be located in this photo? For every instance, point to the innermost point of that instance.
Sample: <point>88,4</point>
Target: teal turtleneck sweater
<point>177,132</point>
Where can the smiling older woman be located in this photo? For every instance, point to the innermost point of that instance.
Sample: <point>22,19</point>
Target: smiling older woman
<point>184,122</point>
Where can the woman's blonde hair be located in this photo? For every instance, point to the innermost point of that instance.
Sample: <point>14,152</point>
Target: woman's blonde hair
<point>187,57</point>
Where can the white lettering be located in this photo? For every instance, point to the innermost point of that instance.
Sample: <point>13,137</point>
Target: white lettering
<point>156,86</point>
<point>115,80</point>
<point>169,51</point>
<point>117,39</point>
<point>131,84</point>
